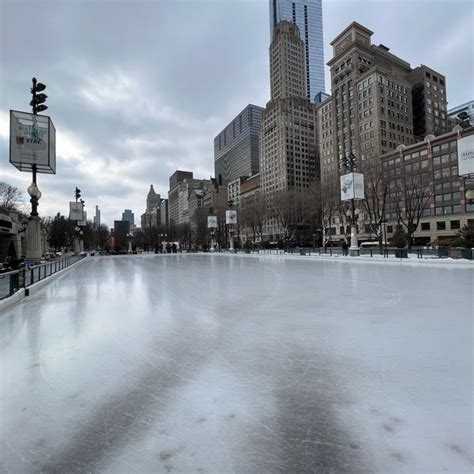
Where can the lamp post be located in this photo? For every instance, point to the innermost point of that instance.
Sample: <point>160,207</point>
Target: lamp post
<point>231,220</point>
<point>130,238</point>
<point>349,165</point>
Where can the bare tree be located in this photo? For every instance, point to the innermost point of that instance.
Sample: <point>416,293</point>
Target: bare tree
<point>10,196</point>
<point>330,205</point>
<point>410,197</point>
<point>288,206</point>
<point>252,215</point>
<point>375,202</point>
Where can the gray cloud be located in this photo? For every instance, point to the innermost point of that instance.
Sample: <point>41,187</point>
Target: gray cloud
<point>138,89</point>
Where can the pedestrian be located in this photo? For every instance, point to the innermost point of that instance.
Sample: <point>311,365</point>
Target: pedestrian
<point>344,248</point>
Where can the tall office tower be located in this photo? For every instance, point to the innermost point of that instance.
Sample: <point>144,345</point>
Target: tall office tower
<point>164,212</point>
<point>430,105</point>
<point>378,102</point>
<point>152,200</point>
<point>370,111</point>
<point>97,217</point>
<point>308,16</point>
<point>128,215</point>
<point>236,148</point>
<point>288,137</point>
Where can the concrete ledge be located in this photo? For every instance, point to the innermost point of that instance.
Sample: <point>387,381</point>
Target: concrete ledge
<point>31,290</point>
<point>12,300</point>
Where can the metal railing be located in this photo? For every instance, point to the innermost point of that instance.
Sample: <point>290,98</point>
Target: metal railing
<point>11,282</point>
<point>385,252</point>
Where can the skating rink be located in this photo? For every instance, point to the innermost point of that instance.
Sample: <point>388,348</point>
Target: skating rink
<point>240,364</point>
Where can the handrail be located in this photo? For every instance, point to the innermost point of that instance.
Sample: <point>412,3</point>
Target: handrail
<point>12,281</point>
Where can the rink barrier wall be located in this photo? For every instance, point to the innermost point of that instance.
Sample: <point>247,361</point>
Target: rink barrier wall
<point>33,288</point>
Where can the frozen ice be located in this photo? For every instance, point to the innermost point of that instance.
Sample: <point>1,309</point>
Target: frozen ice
<point>229,363</point>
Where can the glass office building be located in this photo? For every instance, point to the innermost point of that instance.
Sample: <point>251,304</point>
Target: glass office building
<point>308,16</point>
<point>236,148</point>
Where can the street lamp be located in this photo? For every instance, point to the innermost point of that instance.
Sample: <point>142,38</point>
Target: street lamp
<point>130,237</point>
<point>352,188</point>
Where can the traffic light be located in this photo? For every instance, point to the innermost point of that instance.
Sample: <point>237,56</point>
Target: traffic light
<point>37,102</point>
<point>77,193</point>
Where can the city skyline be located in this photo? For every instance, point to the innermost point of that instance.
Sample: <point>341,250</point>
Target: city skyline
<point>123,122</point>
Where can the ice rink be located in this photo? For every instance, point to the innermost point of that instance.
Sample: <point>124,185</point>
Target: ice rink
<point>240,364</point>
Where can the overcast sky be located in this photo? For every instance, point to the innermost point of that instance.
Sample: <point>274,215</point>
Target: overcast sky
<point>138,89</point>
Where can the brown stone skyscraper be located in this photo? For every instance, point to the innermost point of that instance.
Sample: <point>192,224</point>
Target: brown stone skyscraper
<point>374,94</point>
<point>288,157</point>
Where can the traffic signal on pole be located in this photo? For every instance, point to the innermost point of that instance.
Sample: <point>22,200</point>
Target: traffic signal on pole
<point>78,193</point>
<point>38,100</point>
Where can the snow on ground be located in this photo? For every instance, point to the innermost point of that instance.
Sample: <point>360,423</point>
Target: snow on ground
<point>237,363</point>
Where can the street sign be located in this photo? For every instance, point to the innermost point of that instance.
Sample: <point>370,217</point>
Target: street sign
<point>32,142</point>
<point>352,186</point>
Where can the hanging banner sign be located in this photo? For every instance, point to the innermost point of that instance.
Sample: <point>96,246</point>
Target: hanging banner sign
<point>466,156</point>
<point>32,142</point>
<point>75,211</point>
<point>352,186</point>
<point>212,222</point>
<point>83,222</point>
<point>231,216</point>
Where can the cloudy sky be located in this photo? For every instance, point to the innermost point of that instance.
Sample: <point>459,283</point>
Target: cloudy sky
<point>138,89</point>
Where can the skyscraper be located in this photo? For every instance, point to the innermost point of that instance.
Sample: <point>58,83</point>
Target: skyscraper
<point>236,148</point>
<point>308,16</point>
<point>97,217</point>
<point>288,136</point>
<point>128,215</point>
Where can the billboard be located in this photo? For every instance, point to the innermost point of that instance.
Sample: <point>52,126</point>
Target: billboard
<point>32,142</point>
<point>212,222</point>
<point>466,156</point>
<point>75,211</point>
<point>352,186</point>
<point>231,216</point>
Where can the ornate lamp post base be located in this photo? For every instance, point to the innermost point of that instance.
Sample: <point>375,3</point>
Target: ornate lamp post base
<point>354,250</point>
<point>33,239</point>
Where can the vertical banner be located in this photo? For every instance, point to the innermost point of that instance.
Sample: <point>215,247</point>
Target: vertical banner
<point>231,216</point>
<point>352,186</point>
<point>75,211</point>
<point>466,155</point>
<point>212,222</point>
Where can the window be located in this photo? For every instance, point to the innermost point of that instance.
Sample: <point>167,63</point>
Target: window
<point>441,225</point>
<point>455,225</point>
<point>425,226</point>
<point>389,229</point>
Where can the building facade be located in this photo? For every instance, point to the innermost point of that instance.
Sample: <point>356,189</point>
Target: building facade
<point>128,215</point>
<point>121,229</point>
<point>236,148</point>
<point>183,196</point>
<point>378,102</point>
<point>429,101</point>
<point>288,137</point>
<point>428,171</point>
<point>308,16</point>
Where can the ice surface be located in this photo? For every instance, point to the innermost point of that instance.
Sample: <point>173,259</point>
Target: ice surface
<point>218,363</point>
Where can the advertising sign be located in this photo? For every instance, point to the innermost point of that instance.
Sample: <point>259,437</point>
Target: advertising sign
<point>32,142</point>
<point>83,222</point>
<point>466,156</point>
<point>75,211</point>
<point>352,186</point>
<point>231,216</point>
<point>212,222</point>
